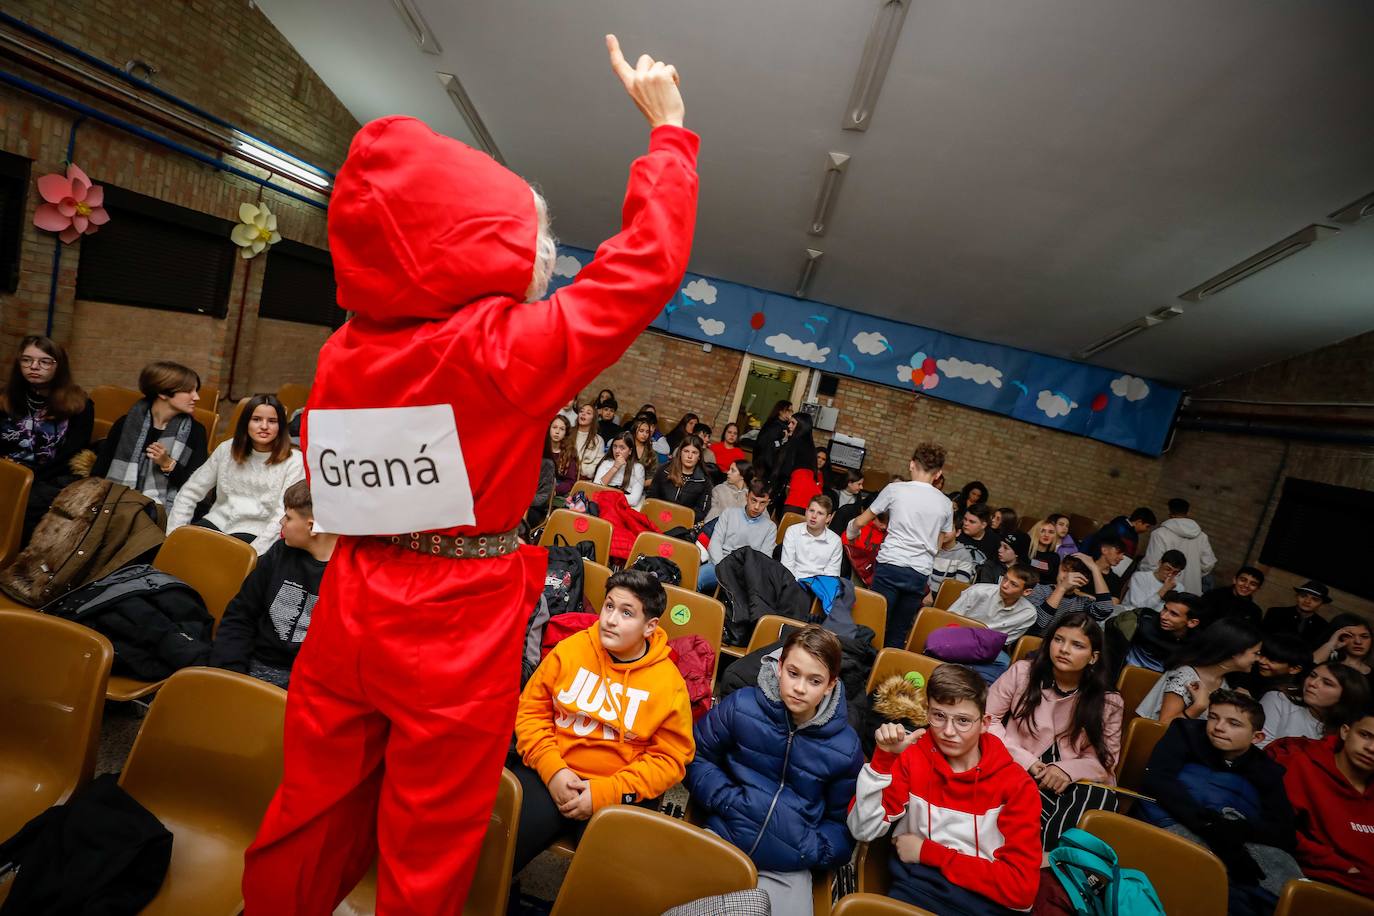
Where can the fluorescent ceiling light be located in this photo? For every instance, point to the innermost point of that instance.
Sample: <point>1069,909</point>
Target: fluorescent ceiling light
<point>868,82</point>
<point>1298,241</point>
<point>812,258</point>
<point>1353,213</point>
<point>1144,323</point>
<point>416,25</point>
<point>835,165</point>
<point>276,162</point>
<point>459,96</point>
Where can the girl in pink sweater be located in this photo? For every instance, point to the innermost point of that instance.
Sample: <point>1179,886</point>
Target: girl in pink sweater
<point>1060,719</point>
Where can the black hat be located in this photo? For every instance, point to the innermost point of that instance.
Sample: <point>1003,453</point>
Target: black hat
<point>1314,588</point>
<point>1019,544</point>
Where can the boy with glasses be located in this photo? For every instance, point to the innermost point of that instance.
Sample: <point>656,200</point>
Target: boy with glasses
<point>965,816</point>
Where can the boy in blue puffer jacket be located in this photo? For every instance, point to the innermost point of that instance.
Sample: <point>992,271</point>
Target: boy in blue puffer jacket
<point>775,768</point>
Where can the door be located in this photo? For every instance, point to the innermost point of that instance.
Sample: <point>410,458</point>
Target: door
<point>761,384</point>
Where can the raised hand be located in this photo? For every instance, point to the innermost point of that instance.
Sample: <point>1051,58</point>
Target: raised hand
<point>894,738</point>
<point>652,84</point>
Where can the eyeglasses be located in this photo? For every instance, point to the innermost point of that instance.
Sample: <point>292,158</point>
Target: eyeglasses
<point>938,720</point>
<point>44,362</point>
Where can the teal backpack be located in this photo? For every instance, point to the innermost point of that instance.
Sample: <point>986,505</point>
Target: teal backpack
<point>1096,884</point>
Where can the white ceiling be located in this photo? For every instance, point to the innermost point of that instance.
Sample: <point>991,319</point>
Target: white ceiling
<point>1037,173</point>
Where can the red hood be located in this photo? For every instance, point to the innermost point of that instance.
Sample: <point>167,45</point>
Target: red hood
<point>420,224</point>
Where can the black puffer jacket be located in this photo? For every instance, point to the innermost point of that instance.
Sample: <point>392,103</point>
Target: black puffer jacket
<point>755,584</point>
<point>695,492</point>
<point>157,623</point>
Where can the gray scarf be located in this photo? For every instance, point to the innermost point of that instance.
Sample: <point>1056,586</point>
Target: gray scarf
<point>131,465</point>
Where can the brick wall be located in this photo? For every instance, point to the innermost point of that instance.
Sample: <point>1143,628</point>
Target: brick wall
<point>225,57</point>
<point>1028,467</point>
<point>1234,482</point>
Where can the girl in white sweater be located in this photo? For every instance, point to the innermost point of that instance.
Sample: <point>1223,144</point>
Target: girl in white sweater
<point>249,475</point>
<point>620,469</point>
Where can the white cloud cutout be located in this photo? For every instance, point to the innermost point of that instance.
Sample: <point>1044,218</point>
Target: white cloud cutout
<point>1130,387</point>
<point>565,265</point>
<point>807,351</point>
<point>977,372</point>
<point>711,327</point>
<point>904,373</point>
<point>1054,405</point>
<point>700,291</point>
<point>870,343</point>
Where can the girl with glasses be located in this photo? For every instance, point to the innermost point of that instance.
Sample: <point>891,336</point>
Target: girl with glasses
<point>45,421</point>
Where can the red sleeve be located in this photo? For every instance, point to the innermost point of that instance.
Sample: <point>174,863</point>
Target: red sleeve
<point>1012,877</point>
<point>543,353</point>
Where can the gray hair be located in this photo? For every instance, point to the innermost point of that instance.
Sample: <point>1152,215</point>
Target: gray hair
<point>545,251</point>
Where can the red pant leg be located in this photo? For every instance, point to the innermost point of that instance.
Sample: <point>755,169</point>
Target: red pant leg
<point>318,838</point>
<point>435,645</point>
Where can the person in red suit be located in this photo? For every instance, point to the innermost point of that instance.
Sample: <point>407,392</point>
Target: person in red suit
<point>403,697</point>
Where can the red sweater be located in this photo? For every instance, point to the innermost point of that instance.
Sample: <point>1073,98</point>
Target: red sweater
<point>801,487</point>
<point>981,827</point>
<point>1335,821</point>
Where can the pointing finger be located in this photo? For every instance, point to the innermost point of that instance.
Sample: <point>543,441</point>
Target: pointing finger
<point>618,64</point>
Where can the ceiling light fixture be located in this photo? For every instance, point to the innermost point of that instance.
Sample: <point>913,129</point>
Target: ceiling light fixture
<point>1125,333</point>
<point>282,163</point>
<point>474,121</point>
<point>418,28</point>
<point>1298,241</point>
<point>868,82</point>
<point>812,258</point>
<point>1353,213</point>
<point>835,165</point>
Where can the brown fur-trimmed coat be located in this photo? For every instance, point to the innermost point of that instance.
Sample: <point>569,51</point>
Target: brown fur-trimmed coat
<point>93,528</point>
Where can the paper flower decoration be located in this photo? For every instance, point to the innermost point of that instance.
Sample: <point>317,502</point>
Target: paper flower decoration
<point>72,205</point>
<point>256,230</point>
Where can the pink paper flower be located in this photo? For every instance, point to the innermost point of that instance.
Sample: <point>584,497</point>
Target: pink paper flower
<point>73,206</point>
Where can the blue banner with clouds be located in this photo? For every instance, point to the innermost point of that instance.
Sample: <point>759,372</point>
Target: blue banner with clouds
<point>1125,410</point>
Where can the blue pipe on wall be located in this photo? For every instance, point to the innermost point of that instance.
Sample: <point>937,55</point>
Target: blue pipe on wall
<point>132,80</point>
<point>97,115</point>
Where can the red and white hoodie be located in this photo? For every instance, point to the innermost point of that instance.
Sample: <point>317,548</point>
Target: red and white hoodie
<point>981,827</point>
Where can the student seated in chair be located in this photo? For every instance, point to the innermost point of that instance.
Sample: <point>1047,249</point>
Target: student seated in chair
<point>736,528</point>
<point>1002,606</point>
<point>1157,635</point>
<point>1330,783</point>
<point>1147,587</point>
<point>265,623</point>
<point>1214,786</point>
<point>813,549</point>
<point>965,816</point>
<point>776,765</point>
<point>604,720</point>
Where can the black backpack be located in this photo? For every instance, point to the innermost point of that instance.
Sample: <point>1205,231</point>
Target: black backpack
<point>101,852</point>
<point>661,568</point>
<point>563,581</point>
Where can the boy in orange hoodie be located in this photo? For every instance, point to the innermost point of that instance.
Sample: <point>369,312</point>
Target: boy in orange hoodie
<point>604,720</point>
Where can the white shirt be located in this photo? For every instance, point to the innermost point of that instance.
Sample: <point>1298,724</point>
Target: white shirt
<point>1143,591</point>
<point>805,555</point>
<point>1285,719</point>
<point>983,603</point>
<point>635,495</point>
<point>918,514</point>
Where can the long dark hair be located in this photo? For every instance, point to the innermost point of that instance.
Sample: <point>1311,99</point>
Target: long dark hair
<point>1010,520</point>
<point>564,454</point>
<point>961,501</point>
<point>778,408</point>
<point>1354,696</point>
<point>243,446</point>
<point>679,432</point>
<point>65,397</point>
<point>627,472</point>
<point>674,469</point>
<point>1340,621</point>
<point>1224,639</point>
<point>798,454</point>
<point>1090,702</point>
